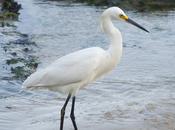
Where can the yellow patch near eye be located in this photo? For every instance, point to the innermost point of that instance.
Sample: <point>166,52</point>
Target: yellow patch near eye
<point>124,17</point>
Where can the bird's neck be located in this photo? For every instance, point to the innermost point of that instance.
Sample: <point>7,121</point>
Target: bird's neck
<point>115,47</point>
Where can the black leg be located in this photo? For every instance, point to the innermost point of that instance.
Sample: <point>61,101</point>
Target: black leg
<point>63,112</point>
<point>72,116</point>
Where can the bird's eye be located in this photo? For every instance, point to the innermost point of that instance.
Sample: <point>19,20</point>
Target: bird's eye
<point>121,15</point>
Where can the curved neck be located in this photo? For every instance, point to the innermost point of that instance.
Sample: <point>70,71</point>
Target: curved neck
<point>115,47</point>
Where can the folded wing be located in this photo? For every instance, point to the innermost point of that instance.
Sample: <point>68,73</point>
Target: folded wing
<point>69,69</point>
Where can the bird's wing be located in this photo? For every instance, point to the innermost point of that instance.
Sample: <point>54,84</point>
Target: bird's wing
<point>69,69</point>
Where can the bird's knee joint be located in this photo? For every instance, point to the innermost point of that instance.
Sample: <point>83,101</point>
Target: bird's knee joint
<point>72,116</point>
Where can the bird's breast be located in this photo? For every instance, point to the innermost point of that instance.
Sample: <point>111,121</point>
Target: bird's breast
<point>106,66</point>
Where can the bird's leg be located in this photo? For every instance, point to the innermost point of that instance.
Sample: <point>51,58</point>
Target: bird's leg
<point>63,111</point>
<point>72,116</point>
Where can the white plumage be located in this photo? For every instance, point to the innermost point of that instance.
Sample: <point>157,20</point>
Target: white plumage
<point>71,72</point>
<point>74,71</point>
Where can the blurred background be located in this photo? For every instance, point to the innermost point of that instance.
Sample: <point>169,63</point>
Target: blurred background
<point>138,95</point>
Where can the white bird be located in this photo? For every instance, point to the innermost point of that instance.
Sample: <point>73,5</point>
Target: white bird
<point>74,71</point>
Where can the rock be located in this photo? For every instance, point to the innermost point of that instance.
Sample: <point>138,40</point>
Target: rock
<point>24,41</point>
<point>21,62</point>
<point>26,49</point>
<point>14,54</point>
<point>13,61</point>
<point>8,107</point>
<point>134,4</point>
<point>11,6</point>
<point>10,9</point>
<point>26,67</point>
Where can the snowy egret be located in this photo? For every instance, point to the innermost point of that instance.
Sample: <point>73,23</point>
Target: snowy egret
<point>74,71</point>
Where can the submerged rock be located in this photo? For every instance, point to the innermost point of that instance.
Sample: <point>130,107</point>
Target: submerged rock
<point>20,60</point>
<point>28,66</point>
<point>13,61</point>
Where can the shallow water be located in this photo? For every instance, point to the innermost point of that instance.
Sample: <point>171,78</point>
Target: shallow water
<point>139,94</point>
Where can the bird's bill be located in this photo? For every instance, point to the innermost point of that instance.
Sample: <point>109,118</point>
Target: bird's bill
<point>136,24</point>
<point>133,22</point>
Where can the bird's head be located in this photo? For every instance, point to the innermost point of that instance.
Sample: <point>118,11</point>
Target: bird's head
<point>118,14</point>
